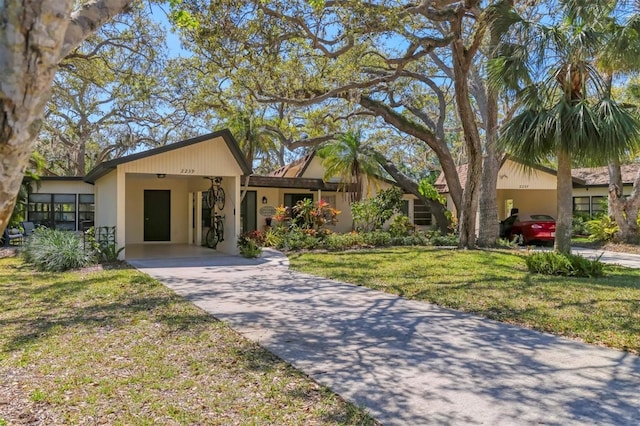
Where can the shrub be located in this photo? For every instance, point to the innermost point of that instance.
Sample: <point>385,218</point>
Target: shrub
<point>372,213</point>
<point>106,249</point>
<point>437,239</point>
<point>377,238</point>
<point>274,237</point>
<point>554,263</point>
<point>602,228</point>
<point>342,241</point>
<point>250,243</point>
<point>400,226</point>
<point>250,249</point>
<point>297,239</point>
<point>57,251</point>
<point>579,224</point>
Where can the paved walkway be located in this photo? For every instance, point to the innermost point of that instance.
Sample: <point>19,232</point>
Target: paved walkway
<point>408,362</point>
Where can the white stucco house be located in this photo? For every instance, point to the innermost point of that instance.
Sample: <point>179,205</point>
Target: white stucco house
<point>533,190</point>
<point>156,197</point>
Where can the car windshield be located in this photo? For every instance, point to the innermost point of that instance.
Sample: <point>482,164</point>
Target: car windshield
<point>541,217</point>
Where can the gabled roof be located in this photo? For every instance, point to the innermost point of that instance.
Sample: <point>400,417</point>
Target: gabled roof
<point>104,168</point>
<point>599,176</point>
<point>442,187</point>
<point>295,169</point>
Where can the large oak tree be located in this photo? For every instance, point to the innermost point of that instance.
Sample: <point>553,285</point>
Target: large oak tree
<point>35,36</point>
<point>384,59</point>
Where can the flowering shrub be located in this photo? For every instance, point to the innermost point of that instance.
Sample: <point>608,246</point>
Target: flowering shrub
<point>250,243</point>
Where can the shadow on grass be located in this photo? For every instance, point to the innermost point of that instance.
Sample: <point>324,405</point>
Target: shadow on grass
<point>91,302</point>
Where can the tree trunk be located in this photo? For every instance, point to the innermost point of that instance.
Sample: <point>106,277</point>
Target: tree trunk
<point>565,202</point>
<point>407,184</point>
<point>624,210</point>
<point>35,36</point>
<point>489,231</point>
<point>461,62</point>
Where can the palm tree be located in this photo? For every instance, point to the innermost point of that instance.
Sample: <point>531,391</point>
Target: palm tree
<point>346,158</point>
<point>564,108</point>
<point>256,141</point>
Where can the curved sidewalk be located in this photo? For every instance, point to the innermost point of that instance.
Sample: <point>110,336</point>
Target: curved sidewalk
<point>409,362</point>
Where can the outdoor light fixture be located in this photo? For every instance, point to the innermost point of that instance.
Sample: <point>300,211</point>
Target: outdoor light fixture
<point>264,200</point>
<point>161,175</point>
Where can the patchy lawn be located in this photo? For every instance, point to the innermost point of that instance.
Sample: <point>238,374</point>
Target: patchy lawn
<point>116,347</point>
<point>496,284</point>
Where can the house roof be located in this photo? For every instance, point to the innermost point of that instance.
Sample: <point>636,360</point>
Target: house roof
<point>578,178</point>
<point>291,182</point>
<point>599,176</point>
<point>296,168</point>
<point>104,168</point>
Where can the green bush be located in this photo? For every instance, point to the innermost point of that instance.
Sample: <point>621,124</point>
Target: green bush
<point>337,242</point>
<point>601,229</point>
<point>400,226</point>
<point>377,238</point>
<point>298,239</point>
<point>579,224</point>
<point>437,239</point>
<point>274,237</point>
<point>571,265</point>
<point>57,251</point>
<point>250,243</point>
<point>372,213</point>
<point>250,249</point>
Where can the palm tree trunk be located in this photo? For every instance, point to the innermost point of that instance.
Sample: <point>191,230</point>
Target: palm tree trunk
<point>565,202</point>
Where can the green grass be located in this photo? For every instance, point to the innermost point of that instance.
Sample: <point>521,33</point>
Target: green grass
<point>116,347</point>
<point>496,284</point>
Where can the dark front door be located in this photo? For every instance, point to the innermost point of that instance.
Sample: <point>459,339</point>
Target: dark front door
<point>248,212</point>
<point>157,215</point>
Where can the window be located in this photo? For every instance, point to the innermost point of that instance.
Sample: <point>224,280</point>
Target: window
<point>60,211</point>
<point>421,213</point>
<point>589,205</point>
<point>39,209</point>
<point>64,211</point>
<point>581,205</point>
<point>86,211</point>
<point>404,208</point>
<point>598,205</point>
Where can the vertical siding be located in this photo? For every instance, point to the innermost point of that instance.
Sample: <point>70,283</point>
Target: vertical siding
<point>514,176</point>
<point>106,189</point>
<point>315,169</point>
<point>211,158</point>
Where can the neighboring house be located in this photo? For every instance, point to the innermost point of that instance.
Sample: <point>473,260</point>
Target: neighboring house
<point>156,196</point>
<point>533,190</point>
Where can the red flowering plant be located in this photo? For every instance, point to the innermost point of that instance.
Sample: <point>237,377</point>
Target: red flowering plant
<point>315,216</point>
<point>256,236</point>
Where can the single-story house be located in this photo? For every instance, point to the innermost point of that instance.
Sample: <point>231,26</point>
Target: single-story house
<point>533,190</point>
<point>159,196</point>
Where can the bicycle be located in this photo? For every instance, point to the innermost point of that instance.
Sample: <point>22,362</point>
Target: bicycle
<point>215,194</point>
<point>215,234</point>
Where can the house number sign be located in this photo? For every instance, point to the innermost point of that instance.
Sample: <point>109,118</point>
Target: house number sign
<point>187,171</point>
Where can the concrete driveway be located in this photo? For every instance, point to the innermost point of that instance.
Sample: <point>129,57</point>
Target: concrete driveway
<point>409,362</point>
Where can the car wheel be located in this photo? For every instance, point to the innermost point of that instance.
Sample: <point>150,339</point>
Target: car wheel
<point>519,239</point>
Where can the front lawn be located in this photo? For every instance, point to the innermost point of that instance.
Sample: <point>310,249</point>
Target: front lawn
<point>496,284</point>
<point>116,347</point>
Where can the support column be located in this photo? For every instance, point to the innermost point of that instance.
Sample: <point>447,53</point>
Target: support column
<point>121,211</point>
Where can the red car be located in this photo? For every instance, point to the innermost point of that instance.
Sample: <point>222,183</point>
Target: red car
<point>525,228</point>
